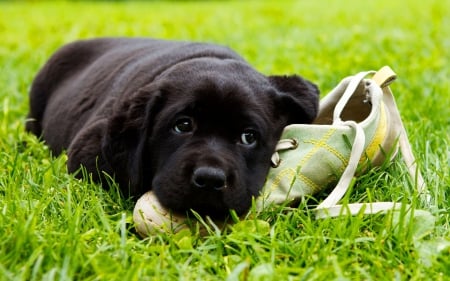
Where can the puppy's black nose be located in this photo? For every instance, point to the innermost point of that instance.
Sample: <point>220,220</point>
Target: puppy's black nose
<point>208,177</point>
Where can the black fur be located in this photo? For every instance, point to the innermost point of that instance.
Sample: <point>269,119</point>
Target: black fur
<point>192,121</point>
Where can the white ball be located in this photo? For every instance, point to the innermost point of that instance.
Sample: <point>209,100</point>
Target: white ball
<point>150,217</point>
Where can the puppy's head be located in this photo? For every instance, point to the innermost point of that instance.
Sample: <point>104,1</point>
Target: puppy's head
<point>204,132</point>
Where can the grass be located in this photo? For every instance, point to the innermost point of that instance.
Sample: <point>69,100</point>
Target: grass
<point>54,227</point>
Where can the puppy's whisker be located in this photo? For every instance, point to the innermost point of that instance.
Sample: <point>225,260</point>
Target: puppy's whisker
<point>221,187</point>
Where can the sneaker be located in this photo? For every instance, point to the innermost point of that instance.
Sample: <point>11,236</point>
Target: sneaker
<point>358,126</point>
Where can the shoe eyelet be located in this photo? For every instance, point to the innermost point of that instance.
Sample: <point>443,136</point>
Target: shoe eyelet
<point>275,165</point>
<point>294,144</point>
<point>286,144</point>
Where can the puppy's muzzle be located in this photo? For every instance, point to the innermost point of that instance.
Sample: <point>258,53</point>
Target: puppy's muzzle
<point>209,178</point>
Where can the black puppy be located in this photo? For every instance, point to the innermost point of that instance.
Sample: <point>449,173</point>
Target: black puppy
<point>193,122</point>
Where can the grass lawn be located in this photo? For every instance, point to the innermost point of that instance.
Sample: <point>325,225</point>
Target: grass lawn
<point>54,227</point>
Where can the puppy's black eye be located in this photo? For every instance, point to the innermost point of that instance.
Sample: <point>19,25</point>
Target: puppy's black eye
<point>183,125</point>
<point>249,137</point>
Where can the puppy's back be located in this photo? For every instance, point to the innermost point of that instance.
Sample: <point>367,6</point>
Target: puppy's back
<point>63,64</point>
<point>82,78</point>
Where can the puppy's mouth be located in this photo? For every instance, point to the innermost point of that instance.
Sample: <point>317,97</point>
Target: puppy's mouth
<point>207,190</point>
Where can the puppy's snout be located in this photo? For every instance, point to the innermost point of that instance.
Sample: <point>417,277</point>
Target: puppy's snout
<point>208,177</point>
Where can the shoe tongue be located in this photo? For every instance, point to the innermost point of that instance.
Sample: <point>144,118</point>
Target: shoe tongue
<point>384,77</point>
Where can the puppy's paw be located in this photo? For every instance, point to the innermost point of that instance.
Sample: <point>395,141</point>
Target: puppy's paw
<point>151,218</point>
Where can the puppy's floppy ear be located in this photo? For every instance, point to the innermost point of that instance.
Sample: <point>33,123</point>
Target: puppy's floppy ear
<point>124,144</point>
<point>299,98</point>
